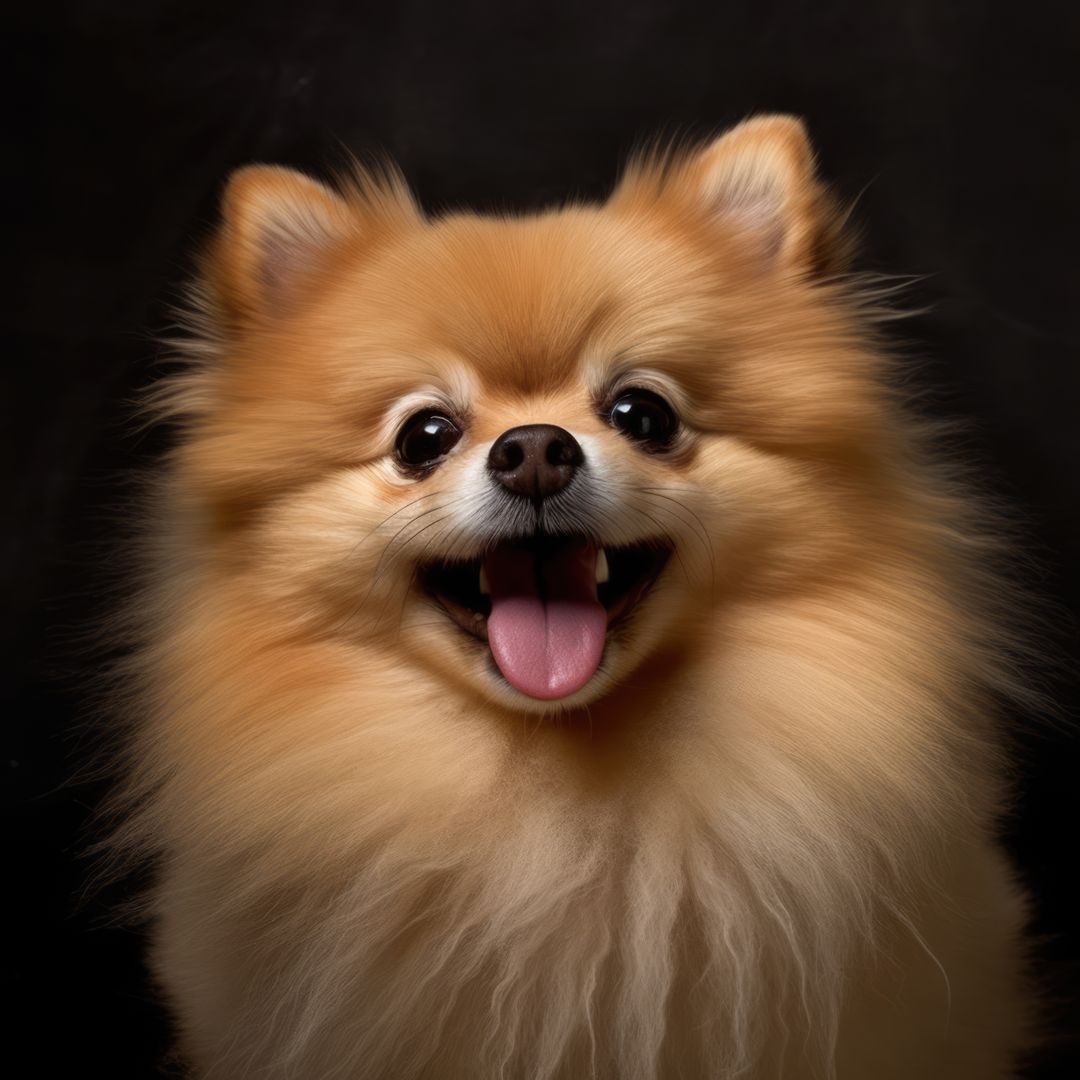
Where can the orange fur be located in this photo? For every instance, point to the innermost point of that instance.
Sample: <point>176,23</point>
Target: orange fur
<point>760,842</point>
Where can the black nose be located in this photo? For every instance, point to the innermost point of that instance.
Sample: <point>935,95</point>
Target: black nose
<point>535,460</point>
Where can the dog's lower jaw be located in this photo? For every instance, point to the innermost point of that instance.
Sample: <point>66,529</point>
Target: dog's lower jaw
<point>531,657</point>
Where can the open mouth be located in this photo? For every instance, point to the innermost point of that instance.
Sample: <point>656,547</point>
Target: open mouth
<point>544,605</point>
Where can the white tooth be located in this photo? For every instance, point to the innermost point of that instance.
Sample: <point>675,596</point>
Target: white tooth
<point>601,567</point>
<point>485,586</point>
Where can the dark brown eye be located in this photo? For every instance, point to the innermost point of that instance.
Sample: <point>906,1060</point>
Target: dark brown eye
<point>425,438</point>
<point>646,417</point>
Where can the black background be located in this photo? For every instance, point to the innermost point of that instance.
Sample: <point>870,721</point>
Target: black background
<point>953,118</point>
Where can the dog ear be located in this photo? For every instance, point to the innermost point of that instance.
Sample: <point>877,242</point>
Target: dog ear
<point>761,178</point>
<point>278,229</point>
<point>758,181</point>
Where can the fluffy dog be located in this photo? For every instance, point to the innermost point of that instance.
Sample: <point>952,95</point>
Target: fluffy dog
<point>561,656</point>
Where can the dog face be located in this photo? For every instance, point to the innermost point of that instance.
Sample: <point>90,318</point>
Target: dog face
<point>529,454</point>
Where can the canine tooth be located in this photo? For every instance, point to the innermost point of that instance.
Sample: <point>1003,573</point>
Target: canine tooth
<point>485,587</point>
<point>601,567</point>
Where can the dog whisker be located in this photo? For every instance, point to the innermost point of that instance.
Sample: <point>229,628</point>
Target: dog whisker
<point>696,523</point>
<point>377,573</point>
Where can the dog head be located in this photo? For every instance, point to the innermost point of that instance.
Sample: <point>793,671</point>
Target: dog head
<point>530,453</point>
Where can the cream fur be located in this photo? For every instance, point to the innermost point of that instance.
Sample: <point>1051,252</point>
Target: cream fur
<point>761,844</point>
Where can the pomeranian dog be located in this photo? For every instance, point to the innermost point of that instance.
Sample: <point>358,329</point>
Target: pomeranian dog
<point>561,656</point>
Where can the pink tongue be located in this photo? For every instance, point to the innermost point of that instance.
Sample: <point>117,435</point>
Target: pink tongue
<point>546,628</point>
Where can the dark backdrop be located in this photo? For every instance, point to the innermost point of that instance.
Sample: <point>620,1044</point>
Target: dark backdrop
<point>955,119</point>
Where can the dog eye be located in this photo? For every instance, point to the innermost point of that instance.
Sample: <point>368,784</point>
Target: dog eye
<point>425,438</point>
<point>644,416</point>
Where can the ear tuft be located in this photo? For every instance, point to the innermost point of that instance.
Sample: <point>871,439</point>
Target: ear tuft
<point>278,228</point>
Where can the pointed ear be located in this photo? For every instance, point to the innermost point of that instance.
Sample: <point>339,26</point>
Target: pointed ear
<point>761,177</point>
<point>278,228</point>
<point>759,181</point>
